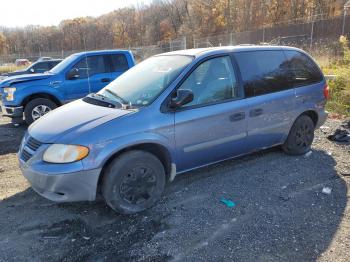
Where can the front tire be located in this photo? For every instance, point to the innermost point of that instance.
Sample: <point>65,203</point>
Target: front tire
<point>37,108</point>
<point>300,136</point>
<point>133,182</point>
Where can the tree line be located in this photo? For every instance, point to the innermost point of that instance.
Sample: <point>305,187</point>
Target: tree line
<point>161,20</point>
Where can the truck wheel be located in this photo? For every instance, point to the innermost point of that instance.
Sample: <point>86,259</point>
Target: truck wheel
<point>300,136</point>
<point>133,182</point>
<point>36,108</point>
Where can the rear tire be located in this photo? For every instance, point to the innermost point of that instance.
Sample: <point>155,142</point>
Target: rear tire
<point>36,108</point>
<point>133,182</point>
<point>300,136</point>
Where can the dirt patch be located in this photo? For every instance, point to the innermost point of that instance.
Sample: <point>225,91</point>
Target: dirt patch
<point>280,213</point>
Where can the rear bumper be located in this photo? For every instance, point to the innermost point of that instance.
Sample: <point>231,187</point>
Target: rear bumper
<point>77,186</point>
<point>12,112</point>
<point>322,117</point>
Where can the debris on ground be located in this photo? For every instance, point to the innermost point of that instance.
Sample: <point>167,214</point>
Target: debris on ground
<point>308,154</point>
<point>327,190</point>
<point>340,135</point>
<point>227,202</point>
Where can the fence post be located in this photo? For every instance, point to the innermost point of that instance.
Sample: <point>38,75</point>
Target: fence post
<point>344,18</point>
<point>263,34</point>
<point>194,42</point>
<point>184,42</point>
<point>231,38</point>
<point>312,33</point>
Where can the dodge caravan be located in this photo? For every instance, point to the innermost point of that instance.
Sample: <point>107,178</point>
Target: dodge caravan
<point>172,113</point>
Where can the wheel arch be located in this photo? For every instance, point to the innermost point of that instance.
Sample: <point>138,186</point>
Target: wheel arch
<point>41,95</point>
<point>312,114</point>
<point>160,151</point>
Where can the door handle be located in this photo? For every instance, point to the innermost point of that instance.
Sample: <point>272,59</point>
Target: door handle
<point>237,116</point>
<point>105,80</point>
<point>256,112</point>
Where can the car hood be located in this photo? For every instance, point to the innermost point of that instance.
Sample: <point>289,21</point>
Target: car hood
<point>76,117</point>
<point>24,78</point>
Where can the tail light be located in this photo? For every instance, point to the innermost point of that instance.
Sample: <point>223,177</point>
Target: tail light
<point>326,91</point>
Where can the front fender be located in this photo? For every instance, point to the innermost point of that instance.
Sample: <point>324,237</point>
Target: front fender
<point>22,94</point>
<point>100,153</point>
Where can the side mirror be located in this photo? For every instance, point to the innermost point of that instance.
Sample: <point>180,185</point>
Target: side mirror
<point>183,97</point>
<point>73,74</point>
<point>31,70</point>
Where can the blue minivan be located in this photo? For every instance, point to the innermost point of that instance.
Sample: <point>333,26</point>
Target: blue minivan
<point>172,113</point>
<point>78,75</point>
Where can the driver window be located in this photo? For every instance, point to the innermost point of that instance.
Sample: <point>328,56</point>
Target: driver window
<point>90,66</point>
<point>212,81</point>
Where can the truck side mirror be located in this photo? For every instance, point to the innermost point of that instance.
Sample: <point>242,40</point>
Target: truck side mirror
<point>73,74</point>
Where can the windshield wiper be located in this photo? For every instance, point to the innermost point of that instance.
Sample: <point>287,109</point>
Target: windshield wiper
<point>100,100</point>
<point>123,101</point>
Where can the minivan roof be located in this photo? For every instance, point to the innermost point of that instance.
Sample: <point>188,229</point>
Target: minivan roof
<point>197,52</point>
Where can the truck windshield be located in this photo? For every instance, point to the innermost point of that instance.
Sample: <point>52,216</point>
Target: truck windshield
<point>62,65</point>
<point>143,83</point>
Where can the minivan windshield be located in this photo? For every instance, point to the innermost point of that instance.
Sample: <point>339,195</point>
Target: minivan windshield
<point>62,65</point>
<point>143,83</point>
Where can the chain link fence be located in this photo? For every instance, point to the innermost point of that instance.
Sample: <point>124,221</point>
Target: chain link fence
<point>316,35</point>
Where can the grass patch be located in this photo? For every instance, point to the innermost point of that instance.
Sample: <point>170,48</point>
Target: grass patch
<point>10,68</point>
<point>339,88</point>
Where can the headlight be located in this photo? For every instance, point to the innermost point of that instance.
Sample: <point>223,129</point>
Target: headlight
<point>10,91</point>
<point>58,153</point>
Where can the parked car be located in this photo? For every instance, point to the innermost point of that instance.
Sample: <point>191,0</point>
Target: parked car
<point>35,68</point>
<point>75,77</point>
<point>170,114</point>
<point>22,62</point>
<point>44,58</point>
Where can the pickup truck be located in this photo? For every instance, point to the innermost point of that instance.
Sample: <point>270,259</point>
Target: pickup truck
<point>33,96</point>
<point>35,68</point>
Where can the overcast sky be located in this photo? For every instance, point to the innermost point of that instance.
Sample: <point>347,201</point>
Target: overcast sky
<point>45,12</point>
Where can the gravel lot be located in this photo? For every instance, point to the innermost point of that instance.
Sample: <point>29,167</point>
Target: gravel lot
<point>281,213</point>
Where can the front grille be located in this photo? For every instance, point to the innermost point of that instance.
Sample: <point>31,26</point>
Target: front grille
<point>26,155</point>
<point>31,144</point>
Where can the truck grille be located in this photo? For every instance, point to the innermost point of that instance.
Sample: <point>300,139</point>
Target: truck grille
<point>30,146</point>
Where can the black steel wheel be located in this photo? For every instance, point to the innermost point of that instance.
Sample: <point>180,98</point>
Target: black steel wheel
<point>300,136</point>
<point>133,182</point>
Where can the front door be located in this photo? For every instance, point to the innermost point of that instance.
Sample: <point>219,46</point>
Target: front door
<point>94,74</point>
<point>213,126</point>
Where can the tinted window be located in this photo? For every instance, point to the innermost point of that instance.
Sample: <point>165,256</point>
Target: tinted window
<point>263,72</point>
<point>91,65</point>
<point>213,80</point>
<point>304,70</point>
<point>41,67</point>
<point>53,63</point>
<point>119,63</point>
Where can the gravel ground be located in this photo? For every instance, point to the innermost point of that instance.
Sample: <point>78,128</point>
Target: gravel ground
<point>281,213</point>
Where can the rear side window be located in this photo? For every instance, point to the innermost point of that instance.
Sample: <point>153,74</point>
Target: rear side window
<point>41,67</point>
<point>303,70</point>
<point>119,63</point>
<point>91,65</point>
<point>263,72</point>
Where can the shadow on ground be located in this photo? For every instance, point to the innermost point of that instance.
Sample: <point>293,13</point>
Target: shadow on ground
<point>280,214</point>
<point>10,137</point>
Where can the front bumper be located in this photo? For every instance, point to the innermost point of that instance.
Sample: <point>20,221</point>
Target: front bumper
<point>12,112</point>
<point>69,187</point>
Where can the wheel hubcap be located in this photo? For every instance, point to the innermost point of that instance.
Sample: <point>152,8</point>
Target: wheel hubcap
<point>138,185</point>
<point>39,111</point>
<point>304,136</point>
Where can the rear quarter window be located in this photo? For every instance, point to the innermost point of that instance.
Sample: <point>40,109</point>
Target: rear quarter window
<point>263,72</point>
<point>304,71</point>
<point>119,63</point>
